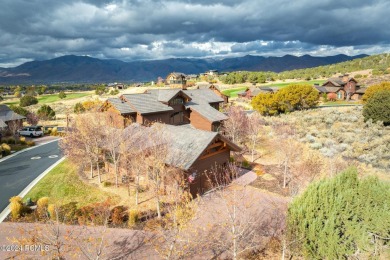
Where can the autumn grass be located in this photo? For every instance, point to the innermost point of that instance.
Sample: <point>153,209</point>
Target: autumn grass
<point>62,185</point>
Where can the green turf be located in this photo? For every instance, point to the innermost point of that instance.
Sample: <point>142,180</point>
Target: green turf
<point>62,185</point>
<point>46,99</point>
<point>233,92</point>
<point>285,84</point>
<point>54,98</point>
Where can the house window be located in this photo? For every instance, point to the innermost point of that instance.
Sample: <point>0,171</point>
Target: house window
<point>339,95</point>
<point>177,101</point>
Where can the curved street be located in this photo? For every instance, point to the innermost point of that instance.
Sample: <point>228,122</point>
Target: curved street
<point>17,172</point>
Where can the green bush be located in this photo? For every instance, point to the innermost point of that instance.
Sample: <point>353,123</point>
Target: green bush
<point>62,95</point>
<point>28,101</point>
<point>79,108</point>
<point>46,112</point>
<point>19,110</point>
<point>10,141</point>
<point>377,107</point>
<point>340,217</point>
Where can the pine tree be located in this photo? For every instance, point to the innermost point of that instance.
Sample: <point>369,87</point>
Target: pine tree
<point>340,217</point>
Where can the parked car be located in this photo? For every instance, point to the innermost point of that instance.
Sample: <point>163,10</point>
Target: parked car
<point>31,131</point>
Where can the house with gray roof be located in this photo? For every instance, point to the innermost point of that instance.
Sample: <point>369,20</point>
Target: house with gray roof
<point>251,92</point>
<point>8,117</point>
<point>342,87</point>
<point>198,107</point>
<point>195,152</point>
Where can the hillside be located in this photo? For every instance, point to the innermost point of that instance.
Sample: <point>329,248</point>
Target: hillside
<point>86,69</point>
<point>375,65</point>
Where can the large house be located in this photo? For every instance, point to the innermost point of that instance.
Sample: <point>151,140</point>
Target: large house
<point>198,107</point>
<point>10,119</point>
<point>343,87</point>
<point>251,92</point>
<point>195,152</point>
<point>215,89</point>
<point>176,80</point>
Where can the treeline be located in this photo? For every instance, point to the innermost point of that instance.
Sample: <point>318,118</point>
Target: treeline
<point>378,63</point>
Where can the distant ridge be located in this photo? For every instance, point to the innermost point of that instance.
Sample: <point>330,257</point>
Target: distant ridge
<point>84,69</point>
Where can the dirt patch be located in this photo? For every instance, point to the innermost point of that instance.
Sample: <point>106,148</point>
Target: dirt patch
<point>271,180</point>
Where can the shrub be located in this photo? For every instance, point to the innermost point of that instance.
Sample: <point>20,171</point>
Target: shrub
<point>16,207</point>
<point>334,218</point>
<point>19,110</point>
<point>43,202</point>
<point>377,107</point>
<point>22,140</point>
<point>118,215</point>
<point>69,213</point>
<point>375,88</point>
<point>54,131</point>
<point>79,108</point>
<point>46,112</point>
<point>332,97</point>
<point>6,149</point>
<point>30,143</point>
<point>52,210</point>
<point>10,141</point>
<point>106,184</point>
<point>28,101</point>
<point>62,95</point>
<point>42,205</point>
<point>246,164</point>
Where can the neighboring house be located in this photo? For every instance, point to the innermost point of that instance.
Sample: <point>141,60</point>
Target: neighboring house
<point>116,85</point>
<point>251,92</point>
<point>176,80</point>
<point>211,73</point>
<point>216,90</point>
<point>9,119</point>
<point>198,107</point>
<point>344,87</point>
<point>195,152</point>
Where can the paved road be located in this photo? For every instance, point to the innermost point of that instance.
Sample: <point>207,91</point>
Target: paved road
<point>19,171</point>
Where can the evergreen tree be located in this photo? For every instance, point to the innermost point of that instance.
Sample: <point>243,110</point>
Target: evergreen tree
<point>46,112</point>
<point>28,101</point>
<point>341,217</point>
<point>377,107</point>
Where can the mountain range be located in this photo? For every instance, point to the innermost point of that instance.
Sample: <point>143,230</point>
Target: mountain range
<point>84,69</point>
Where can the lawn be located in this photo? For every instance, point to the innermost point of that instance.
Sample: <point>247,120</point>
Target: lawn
<point>340,103</point>
<point>233,91</point>
<point>285,84</point>
<point>45,99</point>
<point>63,185</point>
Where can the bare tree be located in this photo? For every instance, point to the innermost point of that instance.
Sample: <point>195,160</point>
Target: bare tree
<point>255,125</point>
<point>287,149</point>
<point>80,140</point>
<point>177,237</point>
<point>236,126</point>
<point>241,224</point>
<point>112,145</point>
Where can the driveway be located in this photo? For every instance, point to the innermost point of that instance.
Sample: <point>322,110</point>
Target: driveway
<point>18,171</point>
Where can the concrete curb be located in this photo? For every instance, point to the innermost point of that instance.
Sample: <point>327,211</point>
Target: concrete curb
<point>25,150</point>
<point>7,210</point>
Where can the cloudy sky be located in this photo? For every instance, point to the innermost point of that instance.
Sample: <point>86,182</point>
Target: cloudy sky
<point>157,29</point>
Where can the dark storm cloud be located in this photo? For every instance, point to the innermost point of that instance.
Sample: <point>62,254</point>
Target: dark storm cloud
<point>149,29</point>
